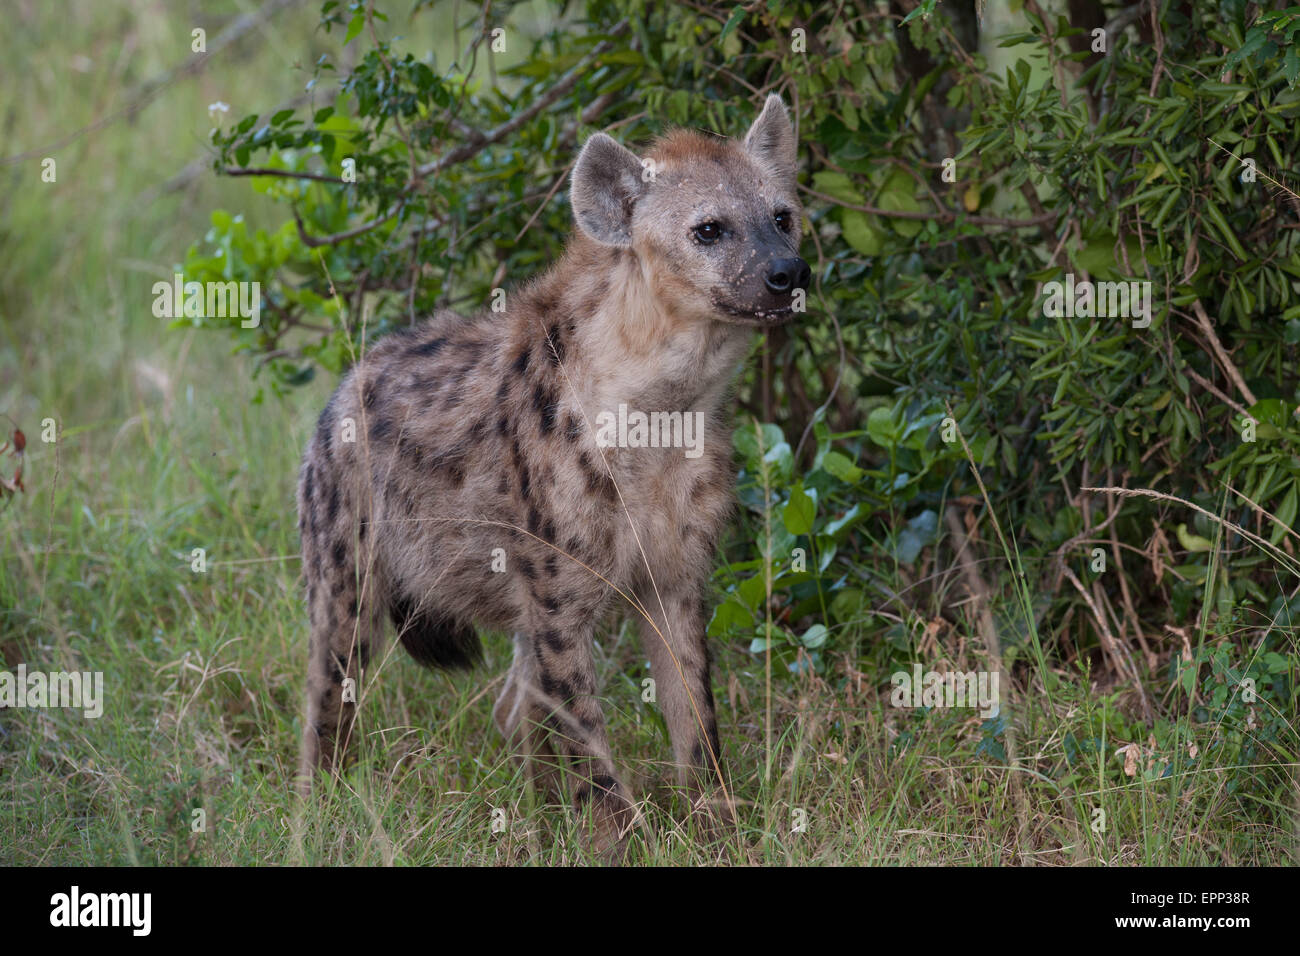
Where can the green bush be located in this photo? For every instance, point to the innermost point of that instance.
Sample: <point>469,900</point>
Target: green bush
<point>942,193</point>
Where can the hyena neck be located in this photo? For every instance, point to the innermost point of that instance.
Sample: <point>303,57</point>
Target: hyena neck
<point>631,342</point>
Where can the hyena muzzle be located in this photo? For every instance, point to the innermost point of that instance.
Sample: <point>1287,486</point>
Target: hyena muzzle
<point>467,473</point>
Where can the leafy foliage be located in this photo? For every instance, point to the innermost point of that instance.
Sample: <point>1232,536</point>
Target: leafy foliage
<point>943,195</point>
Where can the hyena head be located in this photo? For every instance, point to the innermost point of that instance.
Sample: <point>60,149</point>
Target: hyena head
<point>714,222</point>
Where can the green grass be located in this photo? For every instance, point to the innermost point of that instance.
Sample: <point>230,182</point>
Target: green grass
<point>161,451</point>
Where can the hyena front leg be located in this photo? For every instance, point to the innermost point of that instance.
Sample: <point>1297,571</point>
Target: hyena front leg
<point>674,640</point>
<point>566,685</point>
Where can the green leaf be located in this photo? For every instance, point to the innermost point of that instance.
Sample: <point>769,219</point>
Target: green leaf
<point>838,186</point>
<point>842,467</point>
<point>920,531</point>
<point>800,510</point>
<point>814,637</point>
<point>881,428</point>
<point>859,234</point>
<point>355,25</point>
<point>737,14</point>
<point>851,516</point>
<point>728,617</point>
<point>1192,542</point>
<point>896,196</point>
<point>922,9</point>
<point>1286,513</point>
<point>780,459</point>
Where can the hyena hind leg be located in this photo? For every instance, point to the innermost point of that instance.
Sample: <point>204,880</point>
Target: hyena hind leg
<point>346,635</point>
<point>521,715</point>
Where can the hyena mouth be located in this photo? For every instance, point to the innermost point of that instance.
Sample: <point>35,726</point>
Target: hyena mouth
<point>759,318</point>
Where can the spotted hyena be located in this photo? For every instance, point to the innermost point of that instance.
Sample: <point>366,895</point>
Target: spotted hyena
<point>459,476</point>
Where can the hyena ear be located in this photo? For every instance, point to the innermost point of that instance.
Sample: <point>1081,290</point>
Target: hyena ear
<point>770,141</point>
<point>606,185</point>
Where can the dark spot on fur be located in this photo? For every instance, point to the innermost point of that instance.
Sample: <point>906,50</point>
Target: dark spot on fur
<point>598,481</point>
<point>325,429</point>
<point>526,568</point>
<point>546,303</point>
<point>555,345</point>
<point>426,349</point>
<point>572,427</point>
<point>555,641</point>
<point>332,506</point>
<point>556,687</point>
<point>412,453</point>
<point>340,553</point>
<point>337,671</point>
<point>534,520</point>
<point>544,403</point>
<point>520,365</point>
<point>380,428</point>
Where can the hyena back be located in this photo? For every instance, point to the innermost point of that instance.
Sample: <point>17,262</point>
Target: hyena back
<point>457,477</point>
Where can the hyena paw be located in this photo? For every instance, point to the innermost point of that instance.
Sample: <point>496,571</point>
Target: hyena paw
<point>714,811</point>
<point>608,817</point>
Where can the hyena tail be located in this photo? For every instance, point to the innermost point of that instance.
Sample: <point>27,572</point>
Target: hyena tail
<point>434,639</point>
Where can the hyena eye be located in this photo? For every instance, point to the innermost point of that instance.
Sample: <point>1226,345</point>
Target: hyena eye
<point>708,232</point>
<point>782,220</point>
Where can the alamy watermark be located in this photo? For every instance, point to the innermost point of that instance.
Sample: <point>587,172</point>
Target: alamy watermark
<point>1086,299</point>
<point>75,908</point>
<point>81,689</point>
<point>922,688</point>
<point>208,300</point>
<point>634,429</point>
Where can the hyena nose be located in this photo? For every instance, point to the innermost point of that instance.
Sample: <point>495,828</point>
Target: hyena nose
<point>785,275</point>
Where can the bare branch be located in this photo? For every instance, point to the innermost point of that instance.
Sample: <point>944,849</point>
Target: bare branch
<point>479,141</point>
